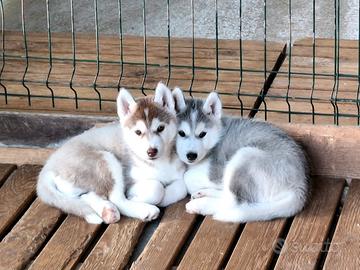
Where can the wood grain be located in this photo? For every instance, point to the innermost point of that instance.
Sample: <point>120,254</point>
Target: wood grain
<point>333,151</point>
<point>16,194</point>
<point>345,246</point>
<point>166,242</point>
<point>64,249</point>
<point>309,230</point>
<point>28,235</point>
<point>19,156</point>
<point>210,245</point>
<point>256,246</point>
<point>5,171</point>
<point>116,245</point>
<point>181,73</point>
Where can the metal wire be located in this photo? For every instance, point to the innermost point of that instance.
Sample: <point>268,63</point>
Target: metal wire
<point>121,46</point>
<point>50,54</point>
<point>3,50</point>
<point>26,53</point>
<point>313,61</point>
<point>192,48</point>
<point>169,40</point>
<point>289,63</point>
<point>216,44</point>
<point>97,53</point>
<point>73,46</point>
<point>240,59</point>
<point>145,49</point>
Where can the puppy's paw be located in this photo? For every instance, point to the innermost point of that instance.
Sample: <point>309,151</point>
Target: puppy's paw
<point>198,194</point>
<point>93,219</point>
<point>193,207</point>
<point>110,214</point>
<point>150,212</point>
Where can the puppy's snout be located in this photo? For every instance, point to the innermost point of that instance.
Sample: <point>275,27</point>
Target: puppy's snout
<point>191,156</point>
<point>152,152</point>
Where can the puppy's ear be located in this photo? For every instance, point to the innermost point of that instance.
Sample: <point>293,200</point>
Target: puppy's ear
<point>164,98</point>
<point>178,99</point>
<point>125,103</point>
<point>212,106</point>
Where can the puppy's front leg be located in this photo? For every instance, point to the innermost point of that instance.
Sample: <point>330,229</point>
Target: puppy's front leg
<point>174,193</point>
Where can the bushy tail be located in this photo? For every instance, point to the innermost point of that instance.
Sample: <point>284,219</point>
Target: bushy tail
<point>49,193</point>
<point>286,206</point>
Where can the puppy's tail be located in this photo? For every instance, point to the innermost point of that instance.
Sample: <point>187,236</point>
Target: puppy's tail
<point>286,205</point>
<point>49,193</point>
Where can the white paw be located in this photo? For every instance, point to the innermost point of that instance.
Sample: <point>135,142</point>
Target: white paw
<point>110,213</point>
<point>194,207</point>
<point>198,194</point>
<point>149,213</point>
<point>93,219</point>
<point>228,216</point>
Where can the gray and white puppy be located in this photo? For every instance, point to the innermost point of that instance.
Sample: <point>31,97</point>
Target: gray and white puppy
<point>91,174</point>
<point>239,170</point>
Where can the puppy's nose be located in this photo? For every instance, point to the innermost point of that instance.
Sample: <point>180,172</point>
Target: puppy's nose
<point>152,152</point>
<point>191,156</point>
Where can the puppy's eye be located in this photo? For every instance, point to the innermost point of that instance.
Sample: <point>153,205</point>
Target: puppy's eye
<point>202,134</point>
<point>182,133</point>
<point>138,132</point>
<point>160,128</point>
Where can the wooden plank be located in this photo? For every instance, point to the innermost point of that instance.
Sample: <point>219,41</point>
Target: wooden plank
<point>28,235</point>
<point>5,171</point>
<point>309,230</point>
<point>166,242</point>
<point>19,156</point>
<point>255,248</point>
<point>333,151</point>
<point>16,194</point>
<point>345,248</point>
<point>116,245</point>
<point>64,249</point>
<point>210,245</point>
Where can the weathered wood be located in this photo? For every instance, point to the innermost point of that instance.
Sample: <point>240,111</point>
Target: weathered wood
<point>28,235</point>
<point>333,151</point>
<point>16,194</point>
<point>256,246</point>
<point>5,171</point>
<point>116,245</point>
<point>210,245</point>
<point>181,73</point>
<point>345,245</point>
<point>166,242</point>
<point>19,156</point>
<point>320,94</point>
<point>66,246</point>
<point>309,230</point>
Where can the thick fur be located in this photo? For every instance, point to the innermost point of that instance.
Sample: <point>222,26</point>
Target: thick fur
<point>245,170</point>
<point>91,174</point>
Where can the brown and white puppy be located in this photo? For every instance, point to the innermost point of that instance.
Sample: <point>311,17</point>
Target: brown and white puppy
<point>91,173</point>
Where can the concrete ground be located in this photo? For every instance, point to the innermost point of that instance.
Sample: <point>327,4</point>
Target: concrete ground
<point>180,17</point>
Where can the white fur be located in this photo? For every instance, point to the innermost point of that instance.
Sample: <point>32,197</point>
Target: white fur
<point>158,181</point>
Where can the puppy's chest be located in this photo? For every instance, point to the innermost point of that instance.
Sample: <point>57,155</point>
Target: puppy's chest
<point>162,171</point>
<point>199,177</point>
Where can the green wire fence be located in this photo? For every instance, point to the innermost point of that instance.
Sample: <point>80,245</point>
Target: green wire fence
<point>292,81</point>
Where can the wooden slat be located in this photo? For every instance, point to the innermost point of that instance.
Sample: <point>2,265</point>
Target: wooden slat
<point>333,151</point>
<point>309,230</point>
<point>167,240</point>
<point>29,234</point>
<point>66,246</point>
<point>116,245</point>
<point>5,171</point>
<point>345,245</point>
<point>210,245</point>
<point>255,248</point>
<point>21,156</point>
<point>16,194</point>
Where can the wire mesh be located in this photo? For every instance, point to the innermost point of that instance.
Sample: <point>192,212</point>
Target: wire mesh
<point>77,58</point>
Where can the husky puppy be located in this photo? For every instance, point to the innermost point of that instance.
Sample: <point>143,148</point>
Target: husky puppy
<point>239,170</point>
<point>91,174</point>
